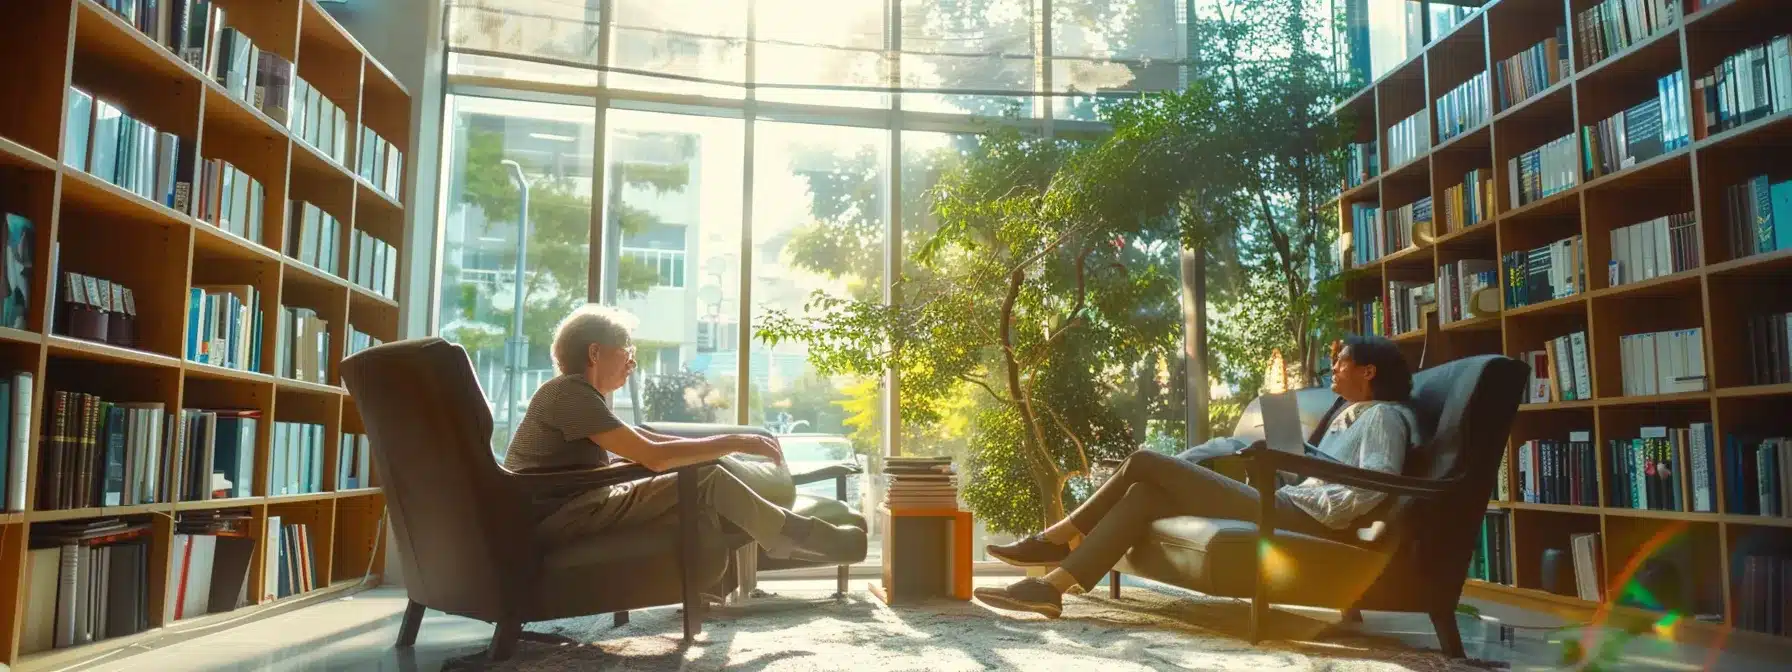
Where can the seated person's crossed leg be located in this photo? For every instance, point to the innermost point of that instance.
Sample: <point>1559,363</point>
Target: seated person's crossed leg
<point>569,425</point>
<point>1372,432</point>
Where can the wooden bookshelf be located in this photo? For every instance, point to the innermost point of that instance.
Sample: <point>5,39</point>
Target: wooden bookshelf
<point>161,252</point>
<point>1716,296</point>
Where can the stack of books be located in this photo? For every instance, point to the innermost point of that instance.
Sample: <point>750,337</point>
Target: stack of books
<point>920,483</point>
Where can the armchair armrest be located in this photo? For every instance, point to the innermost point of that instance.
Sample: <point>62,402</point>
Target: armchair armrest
<point>1262,456</point>
<point>829,472</point>
<point>539,481</point>
<point>698,430</point>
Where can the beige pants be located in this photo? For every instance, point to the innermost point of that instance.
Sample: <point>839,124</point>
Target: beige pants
<point>655,501</point>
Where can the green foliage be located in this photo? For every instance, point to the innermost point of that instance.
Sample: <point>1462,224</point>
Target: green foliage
<point>558,246</point>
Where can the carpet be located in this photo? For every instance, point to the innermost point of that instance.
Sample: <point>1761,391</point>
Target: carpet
<point>1144,630</point>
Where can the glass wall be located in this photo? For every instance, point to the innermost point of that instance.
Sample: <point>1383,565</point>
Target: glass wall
<point>744,155</point>
<point>488,143</point>
<point>1381,34</point>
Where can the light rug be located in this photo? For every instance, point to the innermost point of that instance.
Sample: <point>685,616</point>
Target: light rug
<point>1144,630</point>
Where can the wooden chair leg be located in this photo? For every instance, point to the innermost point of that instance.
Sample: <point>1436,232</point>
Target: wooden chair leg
<point>504,639</point>
<point>1113,585</point>
<point>619,619</point>
<point>413,621</point>
<point>1448,637</point>
<point>687,552</point>
<point>1353,616</point>
<point>1264,479</point>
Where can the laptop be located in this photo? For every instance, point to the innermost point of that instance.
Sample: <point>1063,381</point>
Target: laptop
<point>1281,423</point>
<point>1281,426</point>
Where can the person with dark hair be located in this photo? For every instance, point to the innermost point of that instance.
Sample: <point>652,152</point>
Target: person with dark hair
<point>1372,430</point>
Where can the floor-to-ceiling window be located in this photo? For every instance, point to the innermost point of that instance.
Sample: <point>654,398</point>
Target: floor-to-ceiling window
<point>700,163</point>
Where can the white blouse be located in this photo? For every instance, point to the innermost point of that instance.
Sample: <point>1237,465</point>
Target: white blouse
<point>1369,435</point>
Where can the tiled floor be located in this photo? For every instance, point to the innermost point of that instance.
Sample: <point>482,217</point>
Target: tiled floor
<point>356,633</point>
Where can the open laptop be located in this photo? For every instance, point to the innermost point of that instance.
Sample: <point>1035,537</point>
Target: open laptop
<point>1281,425</point>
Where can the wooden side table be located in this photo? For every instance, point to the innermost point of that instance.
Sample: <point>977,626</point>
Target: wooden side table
<point>927,554</point>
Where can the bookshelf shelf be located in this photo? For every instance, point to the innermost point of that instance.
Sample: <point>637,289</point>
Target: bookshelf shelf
<point>1715,293</point>
<point>98,225</point>
<point>15,155</point>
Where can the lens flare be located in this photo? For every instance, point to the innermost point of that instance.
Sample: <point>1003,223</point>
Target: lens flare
<point>1624,584</point>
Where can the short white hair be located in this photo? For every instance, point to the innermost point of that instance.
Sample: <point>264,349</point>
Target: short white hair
<point>607,326</point>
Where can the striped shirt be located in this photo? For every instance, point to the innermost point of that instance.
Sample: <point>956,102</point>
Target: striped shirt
<point>555,431</point>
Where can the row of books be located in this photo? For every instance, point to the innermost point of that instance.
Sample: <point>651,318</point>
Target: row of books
<point>1613,25</point>
<point>1457,283</point>
<point>1467,203</point>
<point>373,264</point>
<point>1553,471</point>
<point>1408,138</point>
<point>1561,370</point>
<point>262,79</point>
<point>1407,301</point>
<point>1376,233</point>
<point>216,459</point>
<point>96,309</point>
<point>1759,211</point>
<point>1589,580</point>
<point>354,462</point>
<point>209,568</point>
<point>296,458</point>
<point>1639,133</point>
<point>1758,475</point>
<point>1770,348</point>
<point>104,141</point>
<point>1362,161</point>
<point>100,453</point>
<point>1651,249</point>
<point>1751,84</point>
<point>230,199</point>
<point>1647,471</point>
<point>1554,271</point>
<point>358,341</point>
<point>15,430</point>
<point>1492,561</point>
<point>1763,588</point>
<point>1545,171</point>
<point>319,122</point>
<point>304,349</point>
<point>1663,362</point>
<point>86,581</point>
<point>224,326</point>
<point>1533,70</point>
<point>920,483</point>
<point>1372,314</point>
<point>381,163</point>
<point>291,560</point>
<point>1463,108</point>
<point>314,236</point>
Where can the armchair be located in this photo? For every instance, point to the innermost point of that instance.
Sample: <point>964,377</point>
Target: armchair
<point>1413,558</point>
<point>463,523</point>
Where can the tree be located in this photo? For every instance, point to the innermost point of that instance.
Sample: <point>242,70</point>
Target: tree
<point>558,246</point>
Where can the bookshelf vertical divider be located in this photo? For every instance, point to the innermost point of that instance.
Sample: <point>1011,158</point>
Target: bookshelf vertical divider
<point>85,224</point>
<point>1716,295</point>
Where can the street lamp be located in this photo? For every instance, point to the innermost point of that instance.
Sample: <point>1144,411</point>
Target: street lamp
<point>517,346</point>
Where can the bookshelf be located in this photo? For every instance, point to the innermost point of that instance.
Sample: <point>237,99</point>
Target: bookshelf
<point>82,222</point>
<point>1717,292</point>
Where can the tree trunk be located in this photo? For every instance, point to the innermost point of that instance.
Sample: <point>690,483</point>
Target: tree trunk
<point>1046,475</point>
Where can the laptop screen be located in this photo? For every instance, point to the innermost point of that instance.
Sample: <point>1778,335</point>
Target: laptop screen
<point>1281,423</point>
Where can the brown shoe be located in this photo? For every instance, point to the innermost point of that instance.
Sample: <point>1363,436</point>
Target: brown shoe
<point>1033,551</point>
<point>1027,594</point>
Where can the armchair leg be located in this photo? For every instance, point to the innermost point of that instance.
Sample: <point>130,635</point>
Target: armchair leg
<point>840,580</point>
<point>1448,637</point>
<point>619,619</point>
<point>504,639</point>
<point>1264,479</point>
<point>1353,616</point>
<point>1113,585</point>
<point>687,553</point>
<point>413,621</point>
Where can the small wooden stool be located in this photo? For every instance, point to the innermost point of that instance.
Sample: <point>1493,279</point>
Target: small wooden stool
<point>927,554</point>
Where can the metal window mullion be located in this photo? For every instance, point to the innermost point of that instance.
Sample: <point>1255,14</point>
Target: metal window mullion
<point>1044,58</point>
<point>744,339</point>
<point>595,288</point>
<point>892,399</point>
